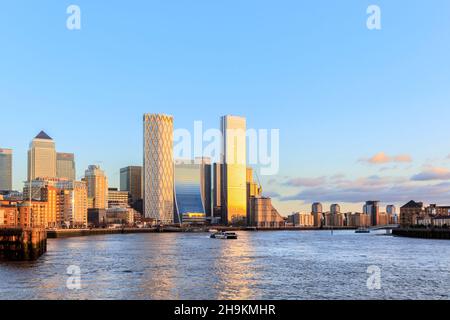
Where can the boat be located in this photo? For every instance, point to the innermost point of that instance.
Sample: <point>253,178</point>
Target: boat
<point>362,230</point>
<point>224,235</point>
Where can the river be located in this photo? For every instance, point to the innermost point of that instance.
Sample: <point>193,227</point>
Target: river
<point>260,265</point>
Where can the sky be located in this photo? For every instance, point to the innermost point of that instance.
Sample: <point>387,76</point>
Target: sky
<point>363,114</point>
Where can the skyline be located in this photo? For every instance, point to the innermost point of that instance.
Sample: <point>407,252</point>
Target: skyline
<point>362,114</point>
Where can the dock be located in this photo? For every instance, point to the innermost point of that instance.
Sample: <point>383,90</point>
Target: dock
<point>22,244</point>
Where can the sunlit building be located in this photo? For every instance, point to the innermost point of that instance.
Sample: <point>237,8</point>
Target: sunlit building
<point>234,174</point>
<point>97,187</point>
<point>158,168</point>
<point>65,166</point>
<point>253,190</point>
<point>263,214</point>
<point>73,203</point>
<point>118,198</point>
<point>6,169</point>
<point>42,157</point>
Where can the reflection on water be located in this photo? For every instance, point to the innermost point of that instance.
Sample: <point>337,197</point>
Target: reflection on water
<point>260,265</point>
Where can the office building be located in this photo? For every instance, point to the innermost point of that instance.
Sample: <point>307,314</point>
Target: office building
<point>253,190</point>
<point>234,174</point>
<point>206,183</point>
<point>97,187</point>
<point>6,169</point>
<point>65,166</point>
<point>118,198</point>
<point>218,215</point>
<point>372,208</point>
<point>131,181</point>
<point>189,200</point>
<point>42,157</point>
<point>158,168</point>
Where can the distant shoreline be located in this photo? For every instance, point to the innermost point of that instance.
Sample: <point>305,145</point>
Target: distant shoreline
<point>69,233</point>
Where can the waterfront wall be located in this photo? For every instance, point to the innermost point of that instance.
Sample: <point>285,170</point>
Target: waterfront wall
<point>22,243</point>
<point>441,234</point>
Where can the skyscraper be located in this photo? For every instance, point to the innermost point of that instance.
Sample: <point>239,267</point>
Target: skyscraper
<point>6,169</point>
<point>234,177</point>
<point>189,198</point>
<point>317,212</point>
<point>372,208</point>
<point>206,184</point>
<point>65,166</point>
<point>97,187</point>
<point>131,181</point>
<point>158,168</point>
<point>42,157</point>
<point>217,193</point>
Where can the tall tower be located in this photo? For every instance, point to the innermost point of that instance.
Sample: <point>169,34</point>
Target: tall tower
<point>6,169</point>
<point>234,177</point>
<point>97,188</point>
<point>372,208</point>
<point>317,212</point>
<point>65,166</point>
<point>42,157</point>
<point>158,168</point>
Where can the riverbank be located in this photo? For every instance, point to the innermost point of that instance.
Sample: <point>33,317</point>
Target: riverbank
<point>69,233</point>
<point>439,234</point>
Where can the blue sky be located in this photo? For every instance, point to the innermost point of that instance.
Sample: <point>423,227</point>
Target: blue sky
<point>339,93</point>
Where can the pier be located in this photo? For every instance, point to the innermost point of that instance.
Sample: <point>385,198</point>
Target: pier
<point>22,244</point>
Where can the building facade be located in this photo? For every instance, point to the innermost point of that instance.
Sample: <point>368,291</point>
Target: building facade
<point>65,166</point>
<point>158,168</point>
<point>372,208</point>
<point>118,198</point>
<point>317,212</point>
<point>97,187</point>
<point>6,156</point>
<point>263,214</point>
<point>189,198</point>
<point>131,181</point>
<point>234,174</point>
<point>410,212</point>
<point>42,157</point>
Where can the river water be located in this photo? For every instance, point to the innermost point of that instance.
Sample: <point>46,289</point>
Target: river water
<point>260,265</point>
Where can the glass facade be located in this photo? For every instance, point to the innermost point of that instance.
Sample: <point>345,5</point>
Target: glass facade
<point>234,177</point>
<point>188,191</point>
<point>5,169</point>
<point>65,166</point>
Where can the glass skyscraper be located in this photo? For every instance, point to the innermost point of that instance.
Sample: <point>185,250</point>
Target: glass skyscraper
<point>189,199</point>
<point>158,168</point>
<point>234,175</point>
<point>65,166</point>
<point>6,169</point>
<point>131,181</point>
